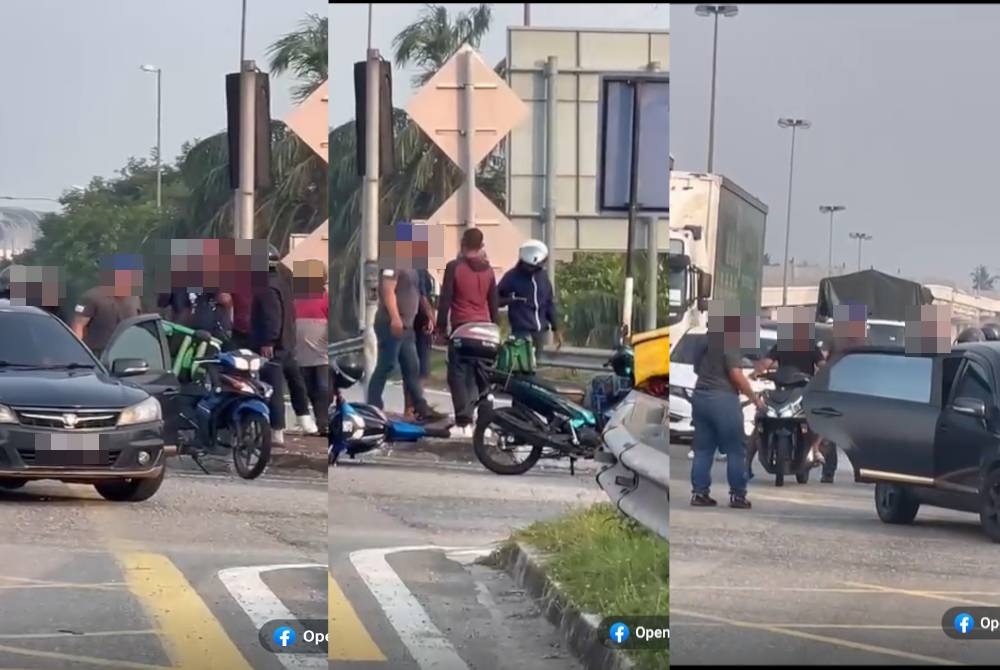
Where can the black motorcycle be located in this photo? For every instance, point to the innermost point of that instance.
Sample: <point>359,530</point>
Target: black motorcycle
<point>780,432</point>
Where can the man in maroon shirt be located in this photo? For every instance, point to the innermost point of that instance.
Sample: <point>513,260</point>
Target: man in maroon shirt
<point>468,295</point>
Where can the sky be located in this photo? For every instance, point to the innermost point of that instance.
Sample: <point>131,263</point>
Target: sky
<point>349,23</point>
<point>75,103</point>
<point>903,105</point>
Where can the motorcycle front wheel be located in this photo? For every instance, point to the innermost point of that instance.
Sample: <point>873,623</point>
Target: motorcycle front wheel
<point>782,452</point>
<point>251,434</point>
<point>490,443</point>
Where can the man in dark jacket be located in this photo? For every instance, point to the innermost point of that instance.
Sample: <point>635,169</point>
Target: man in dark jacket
<point>526,291</point>
<point>468,295</point>
<point>272,334</point>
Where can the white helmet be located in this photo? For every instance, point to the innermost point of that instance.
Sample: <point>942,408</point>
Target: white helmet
<point>533,252</point>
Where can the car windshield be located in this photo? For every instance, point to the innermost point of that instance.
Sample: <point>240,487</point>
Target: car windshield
<point>39,341</point>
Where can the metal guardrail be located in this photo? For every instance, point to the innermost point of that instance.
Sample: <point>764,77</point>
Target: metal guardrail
<point>577,358</point>
<point>636,451</point>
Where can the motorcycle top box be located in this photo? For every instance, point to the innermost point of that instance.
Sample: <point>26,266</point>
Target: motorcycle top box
<point>476,340</point>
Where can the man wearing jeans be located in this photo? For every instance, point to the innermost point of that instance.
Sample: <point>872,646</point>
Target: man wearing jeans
<point>399,304</point>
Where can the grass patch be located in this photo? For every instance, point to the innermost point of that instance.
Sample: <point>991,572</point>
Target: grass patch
<point>608,565</point>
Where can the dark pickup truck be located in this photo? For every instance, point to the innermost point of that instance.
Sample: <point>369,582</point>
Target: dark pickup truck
<point>924,428</point>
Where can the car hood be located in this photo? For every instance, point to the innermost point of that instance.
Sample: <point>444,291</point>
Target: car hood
<point>66,389</point>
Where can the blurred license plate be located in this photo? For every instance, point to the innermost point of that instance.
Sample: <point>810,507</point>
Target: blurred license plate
<point>69,442</point>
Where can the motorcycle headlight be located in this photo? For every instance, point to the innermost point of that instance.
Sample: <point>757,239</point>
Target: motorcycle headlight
<point>7,415</point>
<point>353,428</point>
<point>146,411</point>
<point>772,413</point>
<point>791,410</point>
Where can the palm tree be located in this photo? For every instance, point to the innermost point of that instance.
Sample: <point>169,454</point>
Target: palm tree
<point>982,280</point>
<point>296,200</point>
<point>424,177</point>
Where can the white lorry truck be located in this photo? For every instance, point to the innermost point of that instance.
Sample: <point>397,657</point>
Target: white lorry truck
<point>716,249</point>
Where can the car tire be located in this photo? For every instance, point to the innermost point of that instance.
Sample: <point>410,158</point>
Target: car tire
<point>130,490</point>
<point>989,512</point>
<point>895,503</point>
<point>11,484</point>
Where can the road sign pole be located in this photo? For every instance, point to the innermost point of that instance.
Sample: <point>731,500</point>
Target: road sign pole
<point>652,270</point>
<point>551,162</point>
<point>371,214</point>
<point>468,136</point>
<point>248,99</point>
<point>633,211</point>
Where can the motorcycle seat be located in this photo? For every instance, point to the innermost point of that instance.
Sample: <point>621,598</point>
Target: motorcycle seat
<point>566,389</point>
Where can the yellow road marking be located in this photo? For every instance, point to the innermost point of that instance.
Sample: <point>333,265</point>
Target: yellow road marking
<point>349,640</point>
<point>930,595</point>
<point>847,644</point>
<point>193,637</point>
<point>76,658</point>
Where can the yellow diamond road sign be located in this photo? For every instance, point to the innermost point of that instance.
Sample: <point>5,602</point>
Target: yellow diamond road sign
<point>437,107</point>
<point>309,121</point>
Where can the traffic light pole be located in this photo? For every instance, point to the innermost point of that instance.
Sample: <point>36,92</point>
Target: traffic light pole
<point>370,277</point>
<point>248,98</point>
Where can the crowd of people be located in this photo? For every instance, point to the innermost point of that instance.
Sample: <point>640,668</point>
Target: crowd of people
<point>278,313</point>
<point>408,322</point>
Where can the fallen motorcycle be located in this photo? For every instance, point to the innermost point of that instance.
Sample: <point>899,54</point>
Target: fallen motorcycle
<point>356,428</point>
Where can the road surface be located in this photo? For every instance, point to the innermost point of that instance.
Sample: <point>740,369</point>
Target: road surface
<point>811,575</point>
<point>406,592</point>
<point>177,581</point>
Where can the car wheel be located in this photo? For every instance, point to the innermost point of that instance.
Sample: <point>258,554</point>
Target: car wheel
<point>12,483</point>
<point>989,513</point>
<point>130,490</point>
<point>895,503</point>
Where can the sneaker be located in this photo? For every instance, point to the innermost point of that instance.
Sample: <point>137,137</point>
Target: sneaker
<point>461,432</point>
<point>739,502</point>
<point>277,436</point>
<point>702,500</point>
<point>826,479</point>
<point>720,457</point>
<point>308,425</point>
<point>691,455</point>
<point>430,415</point>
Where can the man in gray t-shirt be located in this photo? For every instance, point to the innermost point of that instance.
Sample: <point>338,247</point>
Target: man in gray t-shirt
<point>399,303</point>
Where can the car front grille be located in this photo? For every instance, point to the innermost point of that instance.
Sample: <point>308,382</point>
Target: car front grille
<point>67,420</point>
<point>104,458</point>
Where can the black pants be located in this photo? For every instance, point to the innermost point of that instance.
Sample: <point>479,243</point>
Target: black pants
<point>309,384</point>
<point>467,381</point>
<point>829,451</point>
<point>275,372</point>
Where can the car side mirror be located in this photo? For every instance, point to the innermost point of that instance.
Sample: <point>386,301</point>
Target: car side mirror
<point>704,286</point>
<point>129,367</point>
<point>970,407</point>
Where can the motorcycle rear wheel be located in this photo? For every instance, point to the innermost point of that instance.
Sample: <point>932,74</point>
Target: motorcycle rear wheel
<point>486,453</point>
<point>251,435</point>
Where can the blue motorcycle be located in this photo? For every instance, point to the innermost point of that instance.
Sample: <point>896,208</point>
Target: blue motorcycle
<point>356,428</point>
<point>226,411</point>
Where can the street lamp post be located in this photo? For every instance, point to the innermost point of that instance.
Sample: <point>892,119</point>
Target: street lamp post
<point>831,210</point>
<point>794,124</point>
<point>159,129</point>
<point>714,11</point>
<point>860,237</point>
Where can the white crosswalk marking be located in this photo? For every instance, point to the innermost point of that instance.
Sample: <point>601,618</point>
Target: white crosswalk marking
<point>262,605</point>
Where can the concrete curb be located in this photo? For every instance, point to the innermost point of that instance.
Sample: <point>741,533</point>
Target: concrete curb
<point>578,629</point>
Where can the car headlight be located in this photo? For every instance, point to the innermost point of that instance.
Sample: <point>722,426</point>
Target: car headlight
<point>146,411</point>
<point>7,415</point>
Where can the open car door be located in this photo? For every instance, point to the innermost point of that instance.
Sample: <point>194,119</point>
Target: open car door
<point>143,338</point>
<point>882,408</point>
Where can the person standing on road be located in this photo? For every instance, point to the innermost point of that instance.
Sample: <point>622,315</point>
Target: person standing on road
<point>272,326</point>
<point>399,304</point>
<point>717,415</point>
<point>527,292</point>
<point>114,300</point>
<point>468,295</point>
<point>423,332</point>
<point>312,316</point>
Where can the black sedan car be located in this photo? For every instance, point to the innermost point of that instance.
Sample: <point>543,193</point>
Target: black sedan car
<point>65,415</point>
<point>924,428</point>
